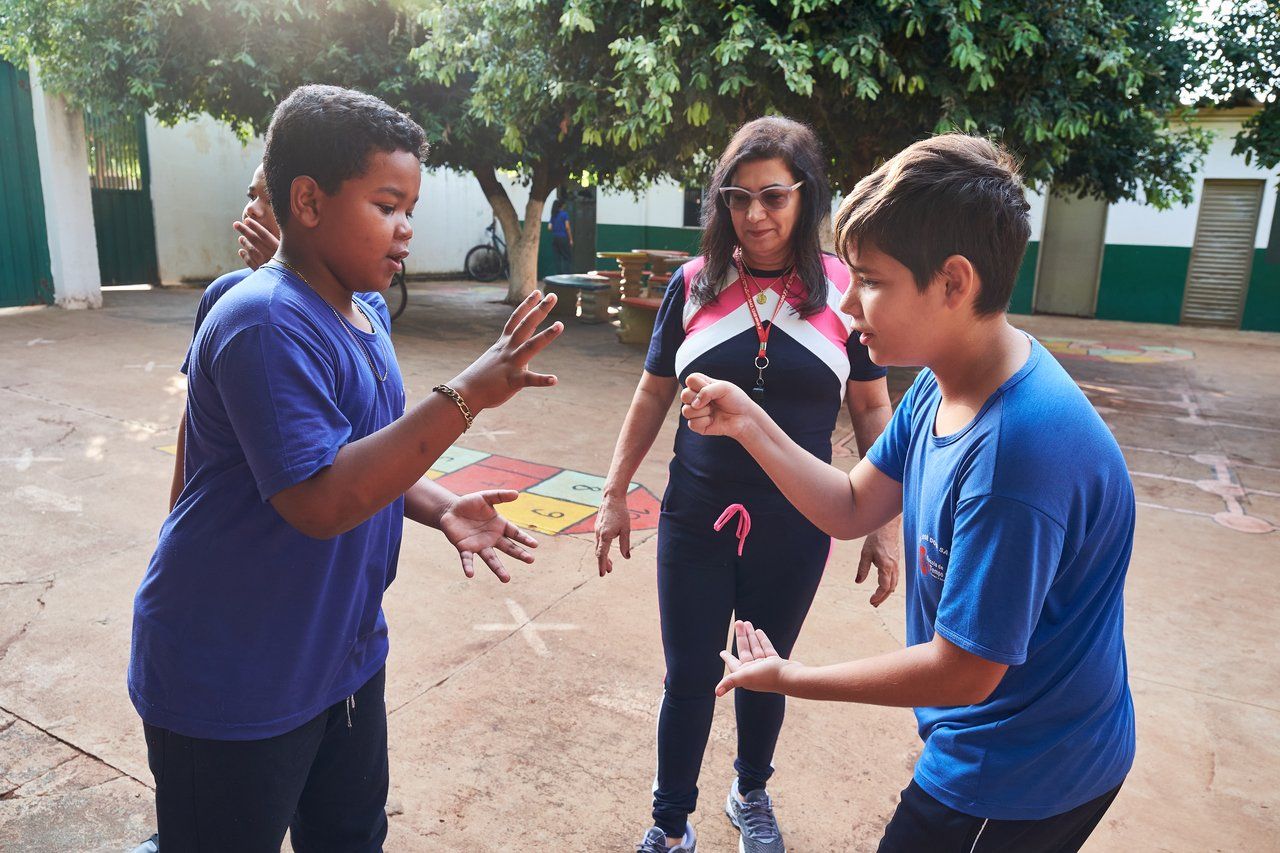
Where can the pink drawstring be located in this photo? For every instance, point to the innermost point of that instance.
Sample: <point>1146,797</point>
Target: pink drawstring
<point>744,523</point>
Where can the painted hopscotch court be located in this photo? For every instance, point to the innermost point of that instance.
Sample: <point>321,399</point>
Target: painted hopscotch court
<point>552,500</point>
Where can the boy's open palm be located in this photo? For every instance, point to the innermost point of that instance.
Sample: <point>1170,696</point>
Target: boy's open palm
<point>757,667</point>
<point>473,526</point>
<point>503,370</point>
<point>713,407</point>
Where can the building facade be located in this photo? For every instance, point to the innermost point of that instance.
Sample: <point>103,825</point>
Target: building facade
<point>156,204</point>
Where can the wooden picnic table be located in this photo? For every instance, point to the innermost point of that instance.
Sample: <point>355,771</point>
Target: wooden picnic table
<point>632,265</point>
<point>594,291</point>
<point>662,263</point>
<point>637,317</point>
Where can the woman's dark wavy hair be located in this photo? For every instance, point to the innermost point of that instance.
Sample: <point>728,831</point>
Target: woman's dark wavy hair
<point>765,139</point>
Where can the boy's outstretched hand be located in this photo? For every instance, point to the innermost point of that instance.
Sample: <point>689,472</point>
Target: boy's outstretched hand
<point>473,526</point>
<point>713,407</point>
<point>496,376</point>
<point>757,667</point>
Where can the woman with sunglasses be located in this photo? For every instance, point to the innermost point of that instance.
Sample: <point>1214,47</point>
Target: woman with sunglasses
<point>758,307</point>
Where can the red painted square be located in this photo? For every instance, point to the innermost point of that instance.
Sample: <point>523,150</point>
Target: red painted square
<point>475,478</point>
<point>519,466</point>
<point>587,525</point>
<point>644,513</point>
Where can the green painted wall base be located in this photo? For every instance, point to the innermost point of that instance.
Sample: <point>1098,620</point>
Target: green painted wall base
<point>624,238</point>
<point>25,276</point>
<point>1262,303</point>
<point>1024,286</point>
<point>1141,284</point>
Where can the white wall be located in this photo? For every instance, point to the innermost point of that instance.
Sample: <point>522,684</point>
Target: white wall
<point>1133,223</point>
<point>68,206</point>
<point>199,174</point>
<point>199,171</point>
<point>661,205</point>
<point>451,216</point>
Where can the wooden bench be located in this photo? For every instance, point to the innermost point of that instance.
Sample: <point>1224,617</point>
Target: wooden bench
<point>594,291</point>
<point>638,315</point>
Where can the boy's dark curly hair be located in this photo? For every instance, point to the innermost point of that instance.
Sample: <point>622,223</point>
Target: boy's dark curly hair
<point>327,133</point>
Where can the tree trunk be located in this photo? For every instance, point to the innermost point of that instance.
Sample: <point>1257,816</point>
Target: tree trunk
<point>522,250</point>
<point>524,238</point>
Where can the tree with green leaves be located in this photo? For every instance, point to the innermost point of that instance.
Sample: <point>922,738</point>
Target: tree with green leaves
<point>1084,92</point>
<point>528,76</point>
<point>1239,58</point>
<point>619,93</point>
<point>499,86</point>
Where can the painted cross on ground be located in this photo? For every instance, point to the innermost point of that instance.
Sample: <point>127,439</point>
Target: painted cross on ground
<point>527,628</point>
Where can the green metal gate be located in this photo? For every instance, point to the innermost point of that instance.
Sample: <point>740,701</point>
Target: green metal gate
<point>25,278</point>
<point>120,184</point>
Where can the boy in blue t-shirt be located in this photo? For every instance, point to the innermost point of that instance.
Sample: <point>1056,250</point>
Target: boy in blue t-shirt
<point>1017,509</point>
<point>259,640</point>
<point>259,238</point>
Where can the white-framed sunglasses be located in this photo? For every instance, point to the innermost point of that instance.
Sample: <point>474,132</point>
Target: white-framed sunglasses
<point>772,198</point>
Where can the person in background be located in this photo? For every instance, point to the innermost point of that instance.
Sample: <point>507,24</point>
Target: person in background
<point>561,237</point>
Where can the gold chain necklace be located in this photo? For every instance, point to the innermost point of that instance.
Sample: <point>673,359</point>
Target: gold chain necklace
<point>761,293</point>
<point>341,322</point>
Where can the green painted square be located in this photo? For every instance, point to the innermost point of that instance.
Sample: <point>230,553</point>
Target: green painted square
<point>458,457</point>
<point>575,486</point>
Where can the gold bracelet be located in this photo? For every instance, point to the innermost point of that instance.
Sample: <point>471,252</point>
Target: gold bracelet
<point>459,402</point>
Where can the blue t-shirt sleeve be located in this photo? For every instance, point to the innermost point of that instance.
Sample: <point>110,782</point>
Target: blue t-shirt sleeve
<point>668,329</point>
<point>207,299</point>
<point>280,395</point>
<point>1004,557</point>
<point>889,452</point>
<point>378,303</point>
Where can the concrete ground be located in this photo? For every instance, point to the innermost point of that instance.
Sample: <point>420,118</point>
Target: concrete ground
<point>522,716</point>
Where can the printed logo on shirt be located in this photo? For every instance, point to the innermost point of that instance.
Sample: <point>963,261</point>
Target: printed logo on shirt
<point>932,566</point>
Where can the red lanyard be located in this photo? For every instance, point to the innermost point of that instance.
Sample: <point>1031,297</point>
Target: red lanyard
<point>762,332</point>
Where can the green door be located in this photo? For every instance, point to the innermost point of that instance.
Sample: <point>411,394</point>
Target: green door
<point>25,278</point>
<point>121,192</point>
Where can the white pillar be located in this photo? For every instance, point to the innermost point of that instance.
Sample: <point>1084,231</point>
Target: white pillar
<point>68,207</point>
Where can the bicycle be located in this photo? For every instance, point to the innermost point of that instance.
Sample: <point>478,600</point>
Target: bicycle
<point>397,295</point>
<point>488,261</point>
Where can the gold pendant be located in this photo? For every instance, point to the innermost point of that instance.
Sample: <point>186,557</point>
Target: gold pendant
<point>761,298</point>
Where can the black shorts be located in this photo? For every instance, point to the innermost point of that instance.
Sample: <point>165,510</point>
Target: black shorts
<point>922,824</point>
<point>325,783</point>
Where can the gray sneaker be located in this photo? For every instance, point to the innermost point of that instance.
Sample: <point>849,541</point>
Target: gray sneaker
<point>655,841</point>
<point>755,821</point>
<point>151,845</point>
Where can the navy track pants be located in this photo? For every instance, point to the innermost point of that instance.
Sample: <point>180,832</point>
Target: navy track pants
<point>703,584</point>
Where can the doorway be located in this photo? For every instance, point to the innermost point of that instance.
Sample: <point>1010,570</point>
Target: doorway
<point>1070,258</point>
<point>120,188</point>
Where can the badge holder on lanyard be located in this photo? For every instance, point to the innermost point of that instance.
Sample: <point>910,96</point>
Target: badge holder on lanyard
<point>762,331</point>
